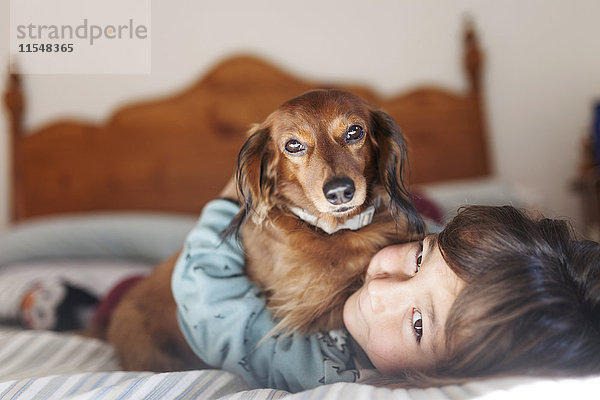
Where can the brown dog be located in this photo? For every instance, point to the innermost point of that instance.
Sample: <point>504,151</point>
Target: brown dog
<point>322,185</point>
<point>313,175</point>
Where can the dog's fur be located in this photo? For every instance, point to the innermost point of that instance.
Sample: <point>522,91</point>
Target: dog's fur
<point>143,328</point>
<point>305,273</point>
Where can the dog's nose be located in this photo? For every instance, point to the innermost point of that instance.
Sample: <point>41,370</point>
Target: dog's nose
<point>339,190</point>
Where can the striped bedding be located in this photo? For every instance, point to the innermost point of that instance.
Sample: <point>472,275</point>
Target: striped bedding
<point>47,365</point>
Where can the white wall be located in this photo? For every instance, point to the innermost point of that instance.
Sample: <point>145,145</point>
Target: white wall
<point>542,67</point>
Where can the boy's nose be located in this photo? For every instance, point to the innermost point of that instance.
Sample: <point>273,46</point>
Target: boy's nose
<point>391,260</point>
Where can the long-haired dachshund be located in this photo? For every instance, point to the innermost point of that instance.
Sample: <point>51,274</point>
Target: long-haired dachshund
<point>323,190</point>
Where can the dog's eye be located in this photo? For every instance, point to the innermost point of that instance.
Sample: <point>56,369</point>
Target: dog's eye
<point>293,146</point>
<point>354,133</point>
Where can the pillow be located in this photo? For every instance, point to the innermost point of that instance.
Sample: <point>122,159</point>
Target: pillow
<point>450,196</point>
<point>147,237</point>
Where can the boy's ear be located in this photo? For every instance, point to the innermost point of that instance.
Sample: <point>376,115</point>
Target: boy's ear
<point>392,168</point>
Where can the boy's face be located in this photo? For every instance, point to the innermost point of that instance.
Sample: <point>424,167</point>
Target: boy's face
<point>398,316</point>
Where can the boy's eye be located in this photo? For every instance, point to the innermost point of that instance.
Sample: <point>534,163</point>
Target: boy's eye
<point>419,258</point>
<point>417,321</point>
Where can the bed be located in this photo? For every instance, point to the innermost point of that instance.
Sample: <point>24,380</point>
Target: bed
<point>94,204</point>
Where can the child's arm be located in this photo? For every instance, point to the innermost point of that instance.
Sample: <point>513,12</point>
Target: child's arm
<point>223,317</point>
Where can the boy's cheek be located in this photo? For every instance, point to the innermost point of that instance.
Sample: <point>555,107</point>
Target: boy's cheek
<point>376,266</point>
<point>352,320</point>
<point>382,355</point>
<point>349,314</point>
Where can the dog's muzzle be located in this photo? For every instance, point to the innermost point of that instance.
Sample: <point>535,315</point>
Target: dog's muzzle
<point>339,190</point>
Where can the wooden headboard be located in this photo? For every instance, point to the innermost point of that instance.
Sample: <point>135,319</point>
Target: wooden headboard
<point>175,153</point>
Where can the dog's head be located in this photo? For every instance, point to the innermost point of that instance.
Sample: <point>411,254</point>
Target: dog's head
<point>326,152</point>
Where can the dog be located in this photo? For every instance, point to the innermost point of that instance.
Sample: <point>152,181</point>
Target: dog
<point>321,182</point>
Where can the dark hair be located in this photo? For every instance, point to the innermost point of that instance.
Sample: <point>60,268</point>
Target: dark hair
<point>531,303</point>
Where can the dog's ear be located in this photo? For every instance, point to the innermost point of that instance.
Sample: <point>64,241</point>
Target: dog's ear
<point>392,169</point>
<point>256,177</point>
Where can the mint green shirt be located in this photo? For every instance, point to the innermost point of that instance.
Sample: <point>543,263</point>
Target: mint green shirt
<point>222,315</point>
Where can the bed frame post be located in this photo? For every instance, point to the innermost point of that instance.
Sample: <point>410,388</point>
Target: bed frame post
<point>473,58</point>
<point>15,105</point>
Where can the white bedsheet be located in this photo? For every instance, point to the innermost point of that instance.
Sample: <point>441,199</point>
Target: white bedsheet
<point>48,365</point>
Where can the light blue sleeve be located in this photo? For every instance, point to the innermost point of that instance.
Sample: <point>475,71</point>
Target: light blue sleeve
<point>222,314</point>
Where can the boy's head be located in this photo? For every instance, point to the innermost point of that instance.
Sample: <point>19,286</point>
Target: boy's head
<point>531,302</point>
<point>510,295</point>
<point>398,315</point>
